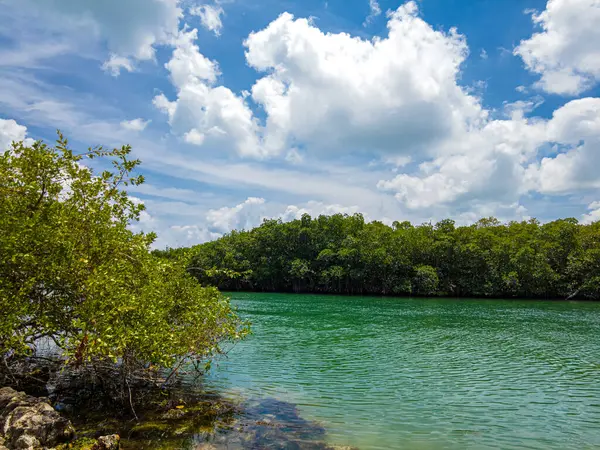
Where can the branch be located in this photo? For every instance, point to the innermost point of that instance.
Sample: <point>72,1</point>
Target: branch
<point>573,294</point>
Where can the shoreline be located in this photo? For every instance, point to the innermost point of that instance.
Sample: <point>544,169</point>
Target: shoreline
<point>204,420</point>
<point>413,297</point>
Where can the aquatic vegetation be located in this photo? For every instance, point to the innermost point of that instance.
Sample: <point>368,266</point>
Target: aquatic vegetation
<point>210,422</point>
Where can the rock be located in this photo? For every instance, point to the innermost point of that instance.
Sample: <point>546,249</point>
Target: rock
<point>26,442</point>
<point>173,414</point>
<point>30,422</point>
<point>111,442</point>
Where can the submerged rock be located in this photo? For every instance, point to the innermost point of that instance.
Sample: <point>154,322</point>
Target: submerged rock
<point>29,422</point>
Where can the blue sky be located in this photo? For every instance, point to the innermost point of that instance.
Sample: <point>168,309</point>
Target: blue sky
<point>244,110</point>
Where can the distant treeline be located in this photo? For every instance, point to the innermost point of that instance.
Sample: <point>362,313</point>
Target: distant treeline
<point>342,254</point>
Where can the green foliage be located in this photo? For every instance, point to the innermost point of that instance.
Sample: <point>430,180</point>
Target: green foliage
<point>343,254</point>
<point>425,281</point>
<point>72,271</point>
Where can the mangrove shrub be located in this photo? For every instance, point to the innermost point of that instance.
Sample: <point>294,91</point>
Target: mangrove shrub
<point>73,273</point>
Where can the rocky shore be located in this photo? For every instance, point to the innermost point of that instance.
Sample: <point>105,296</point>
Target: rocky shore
<point>33,423</point>
<point>30,423</point>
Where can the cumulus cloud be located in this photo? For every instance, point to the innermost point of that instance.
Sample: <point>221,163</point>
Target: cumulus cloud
<point>246,215</point>
<point>575,131</point>
<point>593,215</point>
<point>210,17</point>
<point>131,29</point>
<point>397,161</point>
<point>184,236</point>
<point>169,235</point>
<point>135,124</point>
<point>566,52</point>
<point>11,131</point>
<point>484,164</point>
<point>396,99</point>
<point>115,63</point>
<point>316,209</point>
<point>336,92</point>
<point>204,113</point>
<point>499,162</point>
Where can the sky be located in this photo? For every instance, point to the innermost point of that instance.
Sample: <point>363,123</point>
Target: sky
<point>245,110</point>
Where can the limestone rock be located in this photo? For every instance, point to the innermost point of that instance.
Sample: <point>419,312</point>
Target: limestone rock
<point>26,442</point>
<point>28,422</point>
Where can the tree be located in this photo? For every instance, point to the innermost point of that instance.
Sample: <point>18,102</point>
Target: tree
<point>343,254</point>
<point>425,281</point>
<point>72,271</point>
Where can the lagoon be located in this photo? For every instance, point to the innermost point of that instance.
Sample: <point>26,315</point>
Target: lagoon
<point>392,373</point>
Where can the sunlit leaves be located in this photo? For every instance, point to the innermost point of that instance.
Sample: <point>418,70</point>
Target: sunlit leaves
<point>71,270</point>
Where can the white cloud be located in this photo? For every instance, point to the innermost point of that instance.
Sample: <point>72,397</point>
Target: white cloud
<point>210,17</point>
<point>398,161</point>
<point>316,209</point>
<point>11,131</point>
<point>575,129</point>
<point>135,124</point>
<point>203,113</point>
<point>498,163</point>
<point>396,100</point>
<point>169,235</point>
<point>566,52</point>
<point>335,92</point>
<point>521,107</point>
<point>184,236</point>
<point>246,215</point>
<point>294,156</point>
<point>171,193</point>
<point>375,11</point>
<point>187,65</point>
<point>593,215</point>
<point>115,63</point>
<point>130,29</point>
<point>253,211</point>
<point>163,104</point>
<point>485,164</point>
<point>194,137</point>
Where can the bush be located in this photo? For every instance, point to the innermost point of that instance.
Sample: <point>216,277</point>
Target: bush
<point>73,272</point>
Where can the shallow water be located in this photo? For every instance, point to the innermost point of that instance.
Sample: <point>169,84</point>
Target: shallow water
<point>424,373</point>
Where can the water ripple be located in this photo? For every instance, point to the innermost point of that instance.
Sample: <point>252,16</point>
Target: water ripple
<point>426,374</point>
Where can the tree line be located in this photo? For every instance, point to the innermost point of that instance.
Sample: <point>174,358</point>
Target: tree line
<point>343,254</point>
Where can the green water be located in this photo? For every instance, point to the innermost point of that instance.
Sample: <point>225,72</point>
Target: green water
<point>424,374</point>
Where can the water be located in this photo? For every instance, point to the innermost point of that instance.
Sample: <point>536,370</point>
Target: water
<point>424,373</point>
